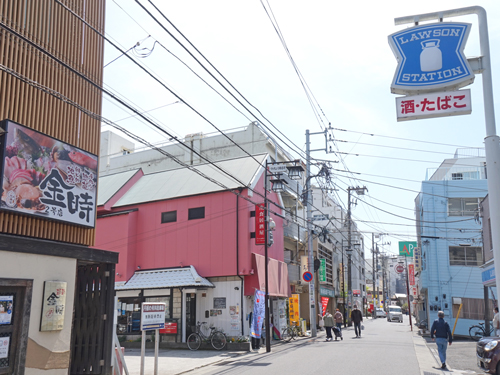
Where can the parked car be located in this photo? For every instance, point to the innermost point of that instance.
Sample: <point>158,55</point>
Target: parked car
<point>488,354</point>
<point>395,314</point>
<point>380,313</point>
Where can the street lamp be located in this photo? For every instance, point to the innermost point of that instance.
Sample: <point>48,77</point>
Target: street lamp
<point>276,169</point>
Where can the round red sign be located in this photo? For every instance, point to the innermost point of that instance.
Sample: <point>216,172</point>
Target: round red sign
<point>400,268</point>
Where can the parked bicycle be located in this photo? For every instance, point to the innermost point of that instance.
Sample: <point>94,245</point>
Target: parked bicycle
<point>290,333</point>
<point>478,331</point>
<point>216,337</point>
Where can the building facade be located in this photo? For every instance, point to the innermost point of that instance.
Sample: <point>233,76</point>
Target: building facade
<point>450,241</point>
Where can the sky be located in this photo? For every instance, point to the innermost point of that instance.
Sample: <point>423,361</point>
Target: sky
<point>341,50</point>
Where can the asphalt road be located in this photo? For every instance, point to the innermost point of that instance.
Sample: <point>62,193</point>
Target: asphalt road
<point>384,348</point>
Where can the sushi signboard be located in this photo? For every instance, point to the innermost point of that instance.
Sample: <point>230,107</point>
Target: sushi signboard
<point>47,178</point>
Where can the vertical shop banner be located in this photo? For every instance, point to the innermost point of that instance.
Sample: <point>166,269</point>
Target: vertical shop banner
<point>411,274</point>
<point>54,306</point>
<point>322,270</point>
<point>258,314</point>
<point>324,304</point>
<point>293,310</point>
<point>260,225</point>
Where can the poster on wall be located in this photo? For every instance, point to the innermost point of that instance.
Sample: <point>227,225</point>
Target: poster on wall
<point>6,309</point>
<point>44,177</point>
<point>4,347</point>
<point>53,306</point>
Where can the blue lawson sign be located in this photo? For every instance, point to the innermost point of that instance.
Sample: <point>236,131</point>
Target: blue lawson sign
<point>431,58</point>
<point>488,275</point>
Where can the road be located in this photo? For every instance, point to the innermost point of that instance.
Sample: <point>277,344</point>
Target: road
<point>384,348</point>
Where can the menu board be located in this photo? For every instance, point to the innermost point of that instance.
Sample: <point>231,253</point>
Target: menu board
<point>219,302</point>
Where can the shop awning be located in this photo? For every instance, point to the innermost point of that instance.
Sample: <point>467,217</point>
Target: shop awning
<point>279,286</point>
<point>165,278</point>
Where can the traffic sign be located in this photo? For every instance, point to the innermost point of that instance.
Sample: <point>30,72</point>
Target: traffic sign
<point>400,268</point>
<point>307,276</point>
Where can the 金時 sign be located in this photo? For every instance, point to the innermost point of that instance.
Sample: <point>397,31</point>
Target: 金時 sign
<point>431,58</point>
<point>44,177</point>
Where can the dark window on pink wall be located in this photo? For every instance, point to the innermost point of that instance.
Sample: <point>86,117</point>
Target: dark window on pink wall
<point>168,217</point>
<point>196,213</point>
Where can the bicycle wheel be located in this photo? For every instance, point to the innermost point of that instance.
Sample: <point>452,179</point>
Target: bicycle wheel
<point>476,333</point>
<point>295,333</point>
<point>194,341</point>
<point>219,340</point>
<point>287,334</point>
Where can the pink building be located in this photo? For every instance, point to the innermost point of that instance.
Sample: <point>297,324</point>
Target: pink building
<point>186,237</point>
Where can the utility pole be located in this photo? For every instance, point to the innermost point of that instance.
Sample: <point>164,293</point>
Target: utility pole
<point>359,191</point>
<point>376,266</point>
<point>312,297</point>
<point>373,275</point>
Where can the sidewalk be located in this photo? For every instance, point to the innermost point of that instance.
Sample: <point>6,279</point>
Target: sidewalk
<point>178,361</point>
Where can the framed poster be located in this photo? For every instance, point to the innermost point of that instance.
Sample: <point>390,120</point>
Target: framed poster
<point>53,306</point>
<point>6,309</point>
<point>42,176</point>
<point>219,302</point>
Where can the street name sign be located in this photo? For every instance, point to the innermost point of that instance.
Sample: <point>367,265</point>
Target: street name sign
<point>153,316</point>
<point>278,168</point>
<point>431,58</point>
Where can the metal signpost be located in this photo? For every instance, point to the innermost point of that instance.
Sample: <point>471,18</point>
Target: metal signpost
<point>481,65</point>
<point>152,318</point>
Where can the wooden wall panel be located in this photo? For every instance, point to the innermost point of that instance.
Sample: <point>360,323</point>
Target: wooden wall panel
<point>62,34</point>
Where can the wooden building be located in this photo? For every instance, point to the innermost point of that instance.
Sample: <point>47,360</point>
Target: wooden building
<point>56,293</point>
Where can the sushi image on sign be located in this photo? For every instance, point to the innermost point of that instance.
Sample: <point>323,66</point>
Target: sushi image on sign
<point>44,177</point>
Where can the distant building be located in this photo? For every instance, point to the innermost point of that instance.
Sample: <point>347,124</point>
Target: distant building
<point>449,236</point>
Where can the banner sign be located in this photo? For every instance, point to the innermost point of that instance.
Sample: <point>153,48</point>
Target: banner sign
<point>260,225</point>
<point>417,259</point>
<point>406,248</point>
<point>411,274</point>
<point>293,310</point>
<point>324,304</point>
<point>431,58</point>
<point>53,306</point>
<point>44,177</point>
<point>440,104</point>
<point>258,314</point>
<point>152,316</point>
<point>322,271</point>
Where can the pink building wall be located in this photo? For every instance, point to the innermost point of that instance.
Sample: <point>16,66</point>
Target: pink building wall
<point>209,244</point>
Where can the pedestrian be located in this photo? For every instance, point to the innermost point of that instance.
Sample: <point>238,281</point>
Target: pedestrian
<point>329,323</point>
<point>339,319</point>
<point>441,331</point>
<point>357,318</point>
<point>496,322</point>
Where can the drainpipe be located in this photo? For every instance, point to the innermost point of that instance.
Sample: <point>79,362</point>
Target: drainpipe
<point>238,254</point>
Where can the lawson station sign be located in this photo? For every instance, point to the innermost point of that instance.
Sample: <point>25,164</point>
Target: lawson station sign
<point>431,62</point>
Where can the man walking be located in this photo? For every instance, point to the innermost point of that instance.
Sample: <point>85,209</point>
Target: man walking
<point>357,318</point>
<point>328,319</point>
<point>441,331</point>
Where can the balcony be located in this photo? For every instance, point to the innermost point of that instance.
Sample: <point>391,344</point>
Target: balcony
<point>456,174</point>
<point>293,231</point>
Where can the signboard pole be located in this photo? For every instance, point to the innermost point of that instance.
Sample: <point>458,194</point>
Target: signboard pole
<point>157,347</point>
<point>492,141</point>
<point>143,350</point>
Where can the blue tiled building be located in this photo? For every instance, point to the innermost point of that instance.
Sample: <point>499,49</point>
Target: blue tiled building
<point>450,239</point>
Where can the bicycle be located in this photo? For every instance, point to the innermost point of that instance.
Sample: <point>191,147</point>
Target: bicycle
<point>289,333</point>
<point>477,332</point>
<point>216,337</point>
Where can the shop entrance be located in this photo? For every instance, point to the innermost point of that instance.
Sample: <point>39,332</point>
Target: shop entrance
<point>190,313</point>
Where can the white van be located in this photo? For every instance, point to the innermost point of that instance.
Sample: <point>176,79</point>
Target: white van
<point>395,314</point>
